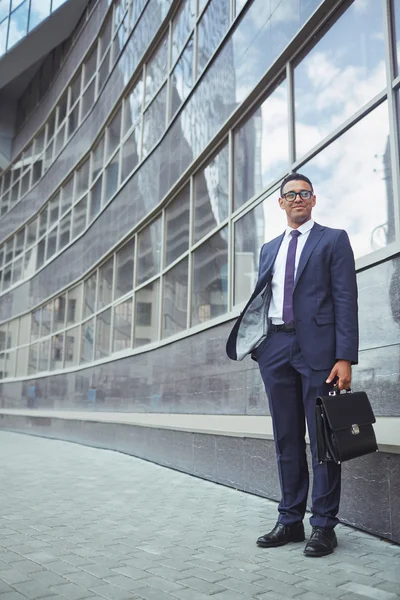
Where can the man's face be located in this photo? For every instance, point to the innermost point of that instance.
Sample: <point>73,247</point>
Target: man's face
<point>298,211</point>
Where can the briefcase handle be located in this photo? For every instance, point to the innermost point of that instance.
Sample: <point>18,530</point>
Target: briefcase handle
<point>337,392</point>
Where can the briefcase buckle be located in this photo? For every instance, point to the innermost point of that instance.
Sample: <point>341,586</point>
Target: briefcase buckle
<point>355,430</point>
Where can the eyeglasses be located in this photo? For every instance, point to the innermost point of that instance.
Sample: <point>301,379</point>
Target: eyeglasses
<point>291,196</point>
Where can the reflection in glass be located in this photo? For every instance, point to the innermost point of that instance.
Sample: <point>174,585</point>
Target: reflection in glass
<point>47,318</point>
<point>210,278</point>
<point>79,217</point>
<point>82,179</point>
<point>87,341</point>
<point>18,24</point>
<point>147,301</point>
<point>98,158</point>
<point>212,27</point>
<point>22,362</point>
<point>33,358</point>
<point>124,269</point>
<point>156,69</point>
<point>103,334</point>
<point>261,151</point>
<point>106,273</point>
<point>122,326</point>
<point>90,66</point>
<point>67,195</point>
<point>65,230</point>
<point>57,352</point>
<point>211,194</point>
<point>182,78</point>
<point>154,121</point>
<point>130,153</point>
<point>365,208</point>
<point>51,243</point>
<point>175,299</point>
<point>133,106</point>
<point>44,355</point>
<point>114,134</point>
<point>111,174</point>
<point>96,198</point>
<point>72,347</point>
<point>149,251</point>
<point>182,25</point>
<point>74,305</point>
<point>12,333</point>
<point>343,71</point>
<point>88,99</point>
<point>24,329</point>
<point>59,313</point>
<point>177,226</point>
<point>89,295</point>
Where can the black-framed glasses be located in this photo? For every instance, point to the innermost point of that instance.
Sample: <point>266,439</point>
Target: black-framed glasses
<point>291,196</point>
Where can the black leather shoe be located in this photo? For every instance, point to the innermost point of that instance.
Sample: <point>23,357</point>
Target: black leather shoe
<point>282,534</point>
<point>323,541</point>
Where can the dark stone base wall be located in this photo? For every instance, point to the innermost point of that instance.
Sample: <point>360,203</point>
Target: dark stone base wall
<point>370,485</point>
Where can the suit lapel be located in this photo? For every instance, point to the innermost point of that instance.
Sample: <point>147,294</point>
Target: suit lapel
<point>314,236</point>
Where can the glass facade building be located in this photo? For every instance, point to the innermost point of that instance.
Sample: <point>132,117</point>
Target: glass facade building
<point>147,152</point>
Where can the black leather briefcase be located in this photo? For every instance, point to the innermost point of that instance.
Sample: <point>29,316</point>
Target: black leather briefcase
<point>344,426</point>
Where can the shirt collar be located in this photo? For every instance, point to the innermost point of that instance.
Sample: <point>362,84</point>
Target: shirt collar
<point>303,228</point>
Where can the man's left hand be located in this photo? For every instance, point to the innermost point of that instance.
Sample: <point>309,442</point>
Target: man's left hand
<point>341,370</point>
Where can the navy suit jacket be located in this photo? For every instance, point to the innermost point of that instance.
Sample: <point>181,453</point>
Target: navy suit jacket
<point>324,301</point>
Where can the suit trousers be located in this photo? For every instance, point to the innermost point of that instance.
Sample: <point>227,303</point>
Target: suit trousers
<point>292,388</point>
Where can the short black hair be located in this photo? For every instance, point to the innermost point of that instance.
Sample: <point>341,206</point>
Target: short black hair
<point>295,177</point>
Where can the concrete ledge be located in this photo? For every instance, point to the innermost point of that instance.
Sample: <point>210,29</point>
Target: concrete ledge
<point>387,429</point>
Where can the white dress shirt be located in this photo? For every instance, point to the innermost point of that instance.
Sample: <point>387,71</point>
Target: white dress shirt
<point>278,270</point>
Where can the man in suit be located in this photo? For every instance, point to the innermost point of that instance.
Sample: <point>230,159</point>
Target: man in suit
<point>301,326</point>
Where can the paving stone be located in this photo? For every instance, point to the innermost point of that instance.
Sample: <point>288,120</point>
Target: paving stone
<point>101,529</point>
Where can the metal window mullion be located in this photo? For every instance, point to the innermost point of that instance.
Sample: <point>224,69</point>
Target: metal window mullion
<point>231,244</point>
<point>291,115</point>
<point>392,111</point>
<point>162,258</point>
<point>190,255</point>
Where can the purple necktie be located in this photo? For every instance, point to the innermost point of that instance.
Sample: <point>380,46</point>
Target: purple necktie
<point>287,313</point>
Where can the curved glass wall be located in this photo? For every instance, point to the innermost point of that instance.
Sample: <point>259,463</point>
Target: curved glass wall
<point>196,260</point>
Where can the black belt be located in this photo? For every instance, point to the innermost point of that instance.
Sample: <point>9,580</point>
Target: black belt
<point>285,327</point>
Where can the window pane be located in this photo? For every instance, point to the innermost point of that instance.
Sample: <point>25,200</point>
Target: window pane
<point>396,13</point>
<point>130,153</point>
<point>57,352</point>
<point>82,179</point>
<point>65,230</point>
<point>67,195</point>
<point>122,326</point>
<point>22,362</point>
<point>74,305</point>
<point>337,78</point>
<point>149,251</point>
<point>76,87</point>
<point>125,264</point>
<point>261,151</point>
<point>98,158</point>
<point>59,313</point>
<point>365,209</point>
<point>213,26</point>
<point>182,78</point>
<point>47,318</point>
<point>210,278</point>
<point>87,345</point>
<point>88,99</point>
<point>114,133</point>
<point>133,106</point>
<point>211,195</point>
<point>3,337</point>
<point>112,174</point>
<point>33,358</point>
<point>106,273</point>
<point>54,206</point>
<point>96,198</point>
<point>40,254</point>
<point>147,302</point>
<point>79,217</point>
<point>156,69</point>
<point>103,334</point>
<point>18,24</point>
<point>175,297</point>
<point>154,121</point>
<point>177,226</point>
<point>182,26</point>
<point>12,333</point>
<point>72,346</point>
<point>90,65</point>
<point>51,243</point>
<point>44,355</point>
<point>261,224</point>
<point>89,295</point>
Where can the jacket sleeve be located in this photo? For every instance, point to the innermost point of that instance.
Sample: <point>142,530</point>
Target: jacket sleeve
<point>345,299</point>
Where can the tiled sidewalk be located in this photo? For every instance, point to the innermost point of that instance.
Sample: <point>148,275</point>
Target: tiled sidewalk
<point>81,523</point>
